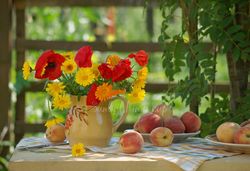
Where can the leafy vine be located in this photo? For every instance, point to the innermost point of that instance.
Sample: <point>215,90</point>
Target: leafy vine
<point>223,23</point>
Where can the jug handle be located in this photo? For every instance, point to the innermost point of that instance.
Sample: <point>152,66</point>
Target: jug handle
<point>123,116</point>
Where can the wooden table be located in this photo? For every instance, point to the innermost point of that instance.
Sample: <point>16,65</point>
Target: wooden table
<point>63,161</point>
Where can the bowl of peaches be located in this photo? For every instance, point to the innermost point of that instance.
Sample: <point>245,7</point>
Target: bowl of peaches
<point>232,137</point>
<point>160,127</point>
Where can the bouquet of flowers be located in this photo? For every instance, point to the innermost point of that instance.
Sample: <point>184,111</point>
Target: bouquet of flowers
<point>76,74</point>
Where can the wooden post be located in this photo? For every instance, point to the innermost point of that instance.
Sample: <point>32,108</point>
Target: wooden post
<point>5,63</point>
<point>150,22</point>
<point>191,24</point>
<point>20,57</point>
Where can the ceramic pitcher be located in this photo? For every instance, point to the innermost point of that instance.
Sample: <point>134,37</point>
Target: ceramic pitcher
<point>92,125</point>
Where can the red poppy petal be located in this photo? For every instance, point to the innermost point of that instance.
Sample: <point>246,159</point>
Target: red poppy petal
<point>41,64</point>
<point>141,58</point>
<point>105,71</point>
<point>122,70</point>
<point>91,98</point>
<point>132,55</point>
<point>56,72</point>
<point>83,57</point>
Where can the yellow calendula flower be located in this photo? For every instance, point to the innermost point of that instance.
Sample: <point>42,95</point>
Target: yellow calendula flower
<point>139,83</point>
<point>143,73</point>
<point>54,121</point>
<point>69,66</point>
<point>85,76</point>
<point>78,150</point>
<point>103,92</point>
<point>55,88</point>
<point>137,95</point>
<point>68,55</point>
<point>61,102</point>
<point>95,70</point>
<point>113,60</point>
<point>26,70</point>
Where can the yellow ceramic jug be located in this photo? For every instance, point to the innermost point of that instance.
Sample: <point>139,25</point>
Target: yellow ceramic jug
<point>92,125</point>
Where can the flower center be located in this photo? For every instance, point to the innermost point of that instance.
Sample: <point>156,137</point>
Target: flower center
<point>135,94</point>
<point>70,67</point>
<point>85,77</point>
<point>51,65</point>
<point>78,151</point>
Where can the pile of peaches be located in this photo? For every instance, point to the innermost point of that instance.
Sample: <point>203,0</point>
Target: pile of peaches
<point>231,132</point>
<point>161,126</point>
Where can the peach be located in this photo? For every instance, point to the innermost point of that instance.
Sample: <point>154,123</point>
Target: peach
<point>174,124</point>
<point>161,136</point>
<point>191,121</point>
<point>147,122</point>
<point>242,136</point>
<point>131,142</point>
<point>225,132</point>
<point>245,123</point>
<point>164,111</point>
<point>56,133</point>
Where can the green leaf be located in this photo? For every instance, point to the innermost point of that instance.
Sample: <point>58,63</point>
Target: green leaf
<point>236,53</point>
<point>20,83</point>
<point>234,29</point>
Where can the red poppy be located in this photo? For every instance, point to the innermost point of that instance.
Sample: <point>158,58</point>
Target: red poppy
<point>49,65</point>
<point>105,71</point>
<point>83,57</point>
<point>141,57</point>
<point>91,98</point>
<point>122,70</point>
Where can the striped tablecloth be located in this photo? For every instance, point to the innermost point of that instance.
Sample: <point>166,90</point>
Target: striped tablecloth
<point>188,155</point>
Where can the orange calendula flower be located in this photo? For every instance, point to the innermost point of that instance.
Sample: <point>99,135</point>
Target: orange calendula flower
<point>103,92</point>
<point>113,60</point>
<point>116,92</point>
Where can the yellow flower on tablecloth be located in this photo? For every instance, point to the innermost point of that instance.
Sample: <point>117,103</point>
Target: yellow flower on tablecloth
<point>61,102</point>
<point>54,121</point>
<point>26,70</point>
<point>142,73</point>
<point>69,66</point>
<point>113,60</point>
<point>55,88</point>
<point>139,83</point>
<point>78,150</point>
<point>68,55</point>
<point>85,76</point>
<point>137,95</point>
